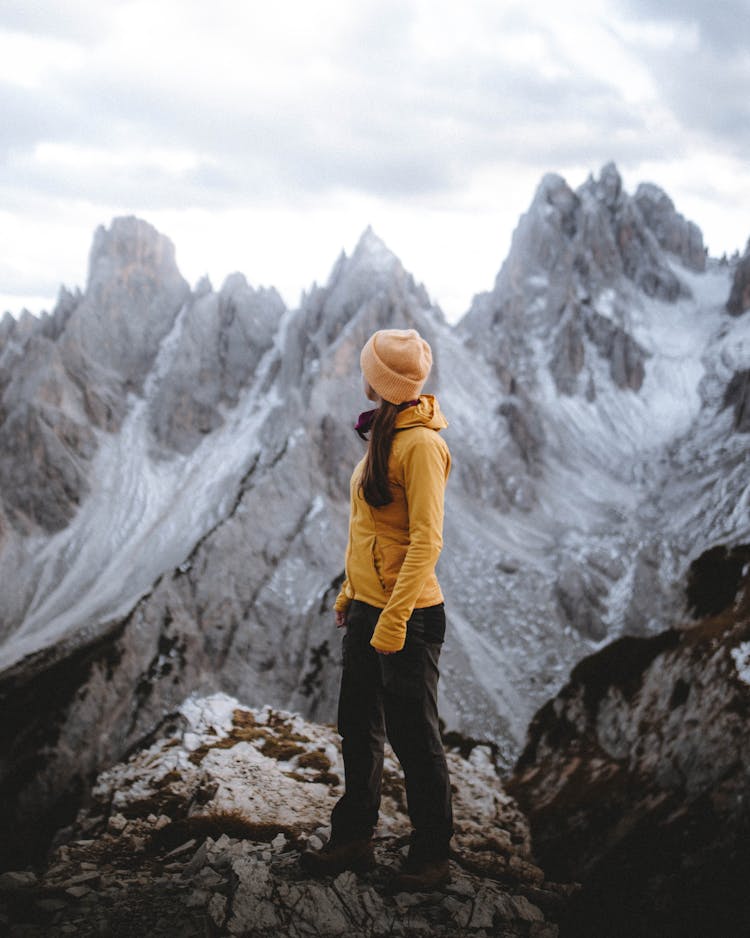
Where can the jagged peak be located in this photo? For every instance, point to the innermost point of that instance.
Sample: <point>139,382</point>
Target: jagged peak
<point>130,240</point>
<point>607,189</point>
<point>234,283</point>
<point>373,251</point>
<point>551,184</point>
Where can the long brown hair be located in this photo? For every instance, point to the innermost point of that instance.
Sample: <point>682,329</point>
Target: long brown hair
<point>374,480</point>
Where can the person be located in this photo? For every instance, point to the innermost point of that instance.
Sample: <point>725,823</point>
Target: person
<point>392,609</point>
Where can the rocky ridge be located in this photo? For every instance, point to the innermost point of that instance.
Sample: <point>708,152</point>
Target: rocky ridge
<point>635,777</point>
<point>200,833</point>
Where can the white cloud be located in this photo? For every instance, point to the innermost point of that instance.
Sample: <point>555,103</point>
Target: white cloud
<point>267,136</point>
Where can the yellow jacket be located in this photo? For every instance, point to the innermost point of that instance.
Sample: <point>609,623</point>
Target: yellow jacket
<point>392,551</point>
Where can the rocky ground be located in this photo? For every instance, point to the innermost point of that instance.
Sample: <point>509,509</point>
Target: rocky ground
<point>635,778</point>
<point>199,834</point>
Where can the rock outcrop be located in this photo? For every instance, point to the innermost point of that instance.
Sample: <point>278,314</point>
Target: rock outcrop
<point>219,345</point>
<point>635,777</point>
<point>568,251</point>
<point>673,232</point>
<point>65,376</point>
<point>200,832</point>
<point>739,298</point>
<point>737,396</point>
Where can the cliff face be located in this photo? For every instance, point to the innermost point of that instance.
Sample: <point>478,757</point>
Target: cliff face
<point>739,298</point>
<point>635,777</point>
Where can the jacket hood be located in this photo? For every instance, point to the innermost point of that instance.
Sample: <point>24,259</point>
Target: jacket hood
<point>426,413</point>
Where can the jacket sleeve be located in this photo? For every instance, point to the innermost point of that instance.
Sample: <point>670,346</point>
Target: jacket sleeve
<point>344,598</point>
<point>426,468</point>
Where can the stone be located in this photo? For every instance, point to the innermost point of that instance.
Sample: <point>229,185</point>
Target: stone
<point>217,909</point>
<point>50,904</point>
<point>181,849</point>
<point>525,910</point>
<point>198,860</point>
<point>117,823</point>
<point>17,879</point>
<point>208,877</point>
<point>543,930</point>
<point>198,898</point>
<point>88,877</point>
<point>528,872</point>
<point>77,892</point>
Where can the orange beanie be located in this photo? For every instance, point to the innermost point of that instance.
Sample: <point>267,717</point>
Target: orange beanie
<point>395,363</point>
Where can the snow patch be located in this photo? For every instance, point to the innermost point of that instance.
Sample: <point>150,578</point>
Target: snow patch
<point>741,655</point>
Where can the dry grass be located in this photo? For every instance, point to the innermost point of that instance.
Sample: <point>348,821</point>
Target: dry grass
<point>234,823</point>
<point>281,742</point>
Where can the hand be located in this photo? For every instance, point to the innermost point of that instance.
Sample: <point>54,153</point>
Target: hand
<point>340,619</point>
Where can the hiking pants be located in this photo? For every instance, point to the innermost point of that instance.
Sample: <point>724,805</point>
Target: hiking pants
<point>393,695</point>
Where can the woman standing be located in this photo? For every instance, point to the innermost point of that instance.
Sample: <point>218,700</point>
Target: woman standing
<point>392,608</point>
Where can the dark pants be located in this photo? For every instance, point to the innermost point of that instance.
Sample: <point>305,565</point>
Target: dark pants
<point>394,695</point>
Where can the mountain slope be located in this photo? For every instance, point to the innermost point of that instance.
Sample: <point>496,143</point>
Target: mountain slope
<point>173,515</point>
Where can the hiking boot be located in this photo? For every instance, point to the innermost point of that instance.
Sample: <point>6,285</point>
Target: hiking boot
<point>421,876</point>
<point>335,857</point>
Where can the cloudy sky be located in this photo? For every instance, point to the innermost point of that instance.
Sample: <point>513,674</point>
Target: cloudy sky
<point>265,136</point>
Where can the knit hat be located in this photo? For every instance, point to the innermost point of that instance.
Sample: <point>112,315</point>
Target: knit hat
<point>395,363</point>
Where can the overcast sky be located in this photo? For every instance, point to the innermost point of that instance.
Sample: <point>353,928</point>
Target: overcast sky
<point>265,136</point>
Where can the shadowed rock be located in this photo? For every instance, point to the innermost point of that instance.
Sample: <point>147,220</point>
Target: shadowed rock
<point>632,786</point>
<point>739,298</point>
<point>673,232</point>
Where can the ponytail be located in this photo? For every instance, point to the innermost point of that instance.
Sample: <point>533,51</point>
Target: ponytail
<point>374,481</point>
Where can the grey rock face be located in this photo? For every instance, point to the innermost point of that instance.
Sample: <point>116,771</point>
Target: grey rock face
<point>132,297</point>
<point>63,375</point>
<point>739,299</point>
<point>673,232</point>
<point>737,396</point>
<point>628,774</point>
<point>52,449</point>
<point>568,250</point>
<point>45,438</point>
<point>220,343</point>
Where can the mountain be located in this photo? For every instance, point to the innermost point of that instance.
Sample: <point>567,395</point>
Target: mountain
<point>174,467</point>
<point>635,776</point>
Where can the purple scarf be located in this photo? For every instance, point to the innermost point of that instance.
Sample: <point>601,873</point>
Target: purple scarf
<point>366,418</point>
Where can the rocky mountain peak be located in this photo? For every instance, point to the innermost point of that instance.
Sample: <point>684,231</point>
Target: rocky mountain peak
<point>739,298</point>
<point>130,244</point>
<point>373,252</point>
<point>673,231</point>
<point>608,188</point>
<point>570,249</point>
<point>371,286</point>
<point>132,298</point>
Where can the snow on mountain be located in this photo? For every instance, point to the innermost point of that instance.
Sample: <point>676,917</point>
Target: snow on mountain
<point>173,512</point>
